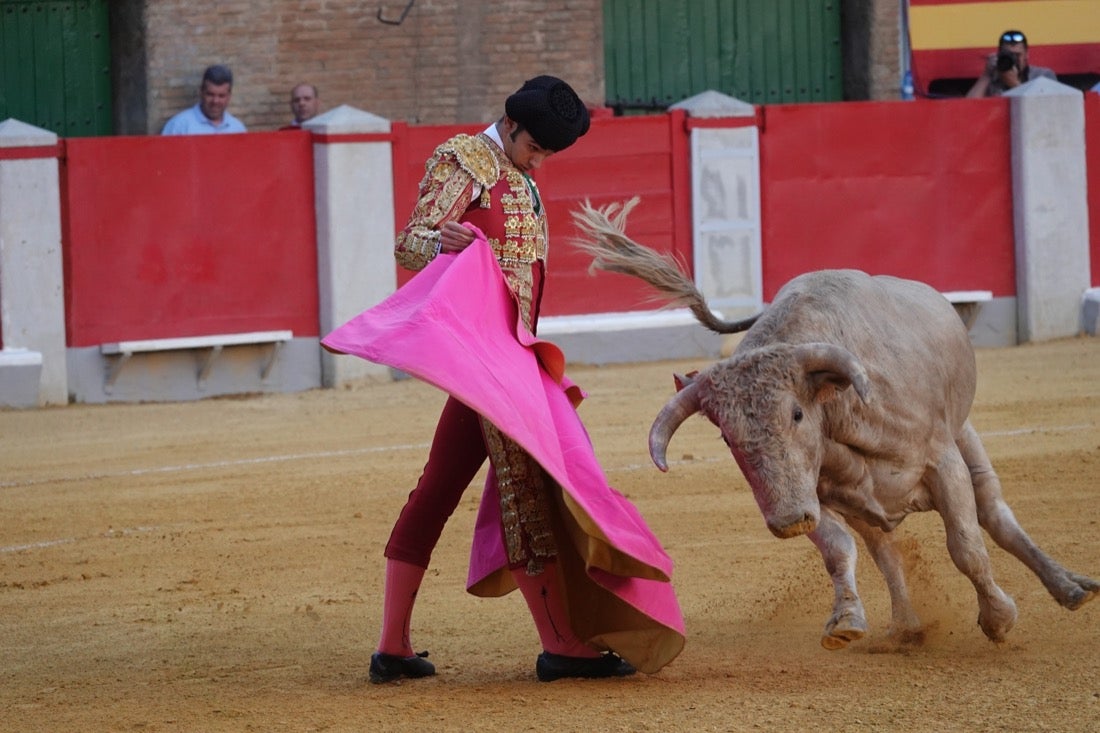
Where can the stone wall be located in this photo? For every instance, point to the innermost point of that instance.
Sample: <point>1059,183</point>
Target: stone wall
<point>884,75</point>
<point>447,61</point>
<point>871,39</point>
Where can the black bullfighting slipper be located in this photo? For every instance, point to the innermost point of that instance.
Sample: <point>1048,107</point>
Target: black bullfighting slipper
<point>390,667</point>
<point>550,667</point>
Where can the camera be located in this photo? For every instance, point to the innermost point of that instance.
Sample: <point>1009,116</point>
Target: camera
<point>1005,60</point>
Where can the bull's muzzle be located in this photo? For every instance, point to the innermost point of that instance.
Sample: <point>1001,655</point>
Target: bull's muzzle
<point>786,530</point>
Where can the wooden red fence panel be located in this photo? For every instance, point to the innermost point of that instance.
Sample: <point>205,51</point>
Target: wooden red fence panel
<point>921,190</point>
<point>186,236</point>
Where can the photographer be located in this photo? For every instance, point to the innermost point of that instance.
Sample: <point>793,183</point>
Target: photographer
<point>1007,68</point>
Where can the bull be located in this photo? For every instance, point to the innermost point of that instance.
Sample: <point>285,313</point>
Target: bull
<point>847,402</point>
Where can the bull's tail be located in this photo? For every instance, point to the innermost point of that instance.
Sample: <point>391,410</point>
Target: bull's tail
<point>603,237</point>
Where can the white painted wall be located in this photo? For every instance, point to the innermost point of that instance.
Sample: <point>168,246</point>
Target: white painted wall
<point>32,294</point>
<point>355,226</point>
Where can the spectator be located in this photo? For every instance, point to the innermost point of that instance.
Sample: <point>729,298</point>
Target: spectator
<point>305,104</point>
<point>1007,68</point>
<point>209,116</point>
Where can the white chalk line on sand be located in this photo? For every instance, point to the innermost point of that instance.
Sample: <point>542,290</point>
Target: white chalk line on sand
<point>214,464</point>
<point>69,540</point>
<point>1027,431</point>
<point>362,451</point>
<point>381,449</point>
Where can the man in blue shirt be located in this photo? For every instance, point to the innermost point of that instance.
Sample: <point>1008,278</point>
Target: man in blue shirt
<point>209,116</point>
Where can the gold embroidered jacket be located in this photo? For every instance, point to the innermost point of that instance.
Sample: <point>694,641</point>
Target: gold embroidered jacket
<point>469,178</point>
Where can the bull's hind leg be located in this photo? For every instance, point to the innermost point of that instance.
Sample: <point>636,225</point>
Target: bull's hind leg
<point>1068,588</point>
<point>838,549</point>
<point>949,483</point>
<point>905,626</point>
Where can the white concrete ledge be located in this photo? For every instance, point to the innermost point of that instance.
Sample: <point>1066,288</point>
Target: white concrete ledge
<point>20,376</point>
<point>196,342</point>
<point>20,357</point>
<point>609,322</point>
<point>968,296</point>
<point>1090,312</point>
<point>968,303</point>
<point>123,350</point>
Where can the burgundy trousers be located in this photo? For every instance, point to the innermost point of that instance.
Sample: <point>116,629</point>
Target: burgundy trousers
<point>457,453</point>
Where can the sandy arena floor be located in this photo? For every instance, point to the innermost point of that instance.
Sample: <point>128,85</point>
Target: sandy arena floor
<point>216,566</point>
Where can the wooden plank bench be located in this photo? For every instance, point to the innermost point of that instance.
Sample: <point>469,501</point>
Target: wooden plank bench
<point>123,350</point>
<point>967,303</point>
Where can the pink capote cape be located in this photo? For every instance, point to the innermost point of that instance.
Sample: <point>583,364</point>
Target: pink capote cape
<point>455,325</point>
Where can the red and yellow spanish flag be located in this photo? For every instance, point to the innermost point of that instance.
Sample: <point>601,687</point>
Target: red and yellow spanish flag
<point>950,39</point>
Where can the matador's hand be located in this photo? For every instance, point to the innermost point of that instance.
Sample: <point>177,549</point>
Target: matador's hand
<point>454,237</point>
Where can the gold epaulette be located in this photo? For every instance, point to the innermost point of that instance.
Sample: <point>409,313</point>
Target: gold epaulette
<point>475,156</point>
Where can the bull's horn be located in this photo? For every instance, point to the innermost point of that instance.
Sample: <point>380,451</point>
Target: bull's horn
<point>683,405</point>
<point>835,360</point>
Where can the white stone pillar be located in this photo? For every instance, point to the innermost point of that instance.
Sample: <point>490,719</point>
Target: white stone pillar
<point>32,293</point>
<point>1050,208</point>
<point>725,202</point>
<point>353,170</point>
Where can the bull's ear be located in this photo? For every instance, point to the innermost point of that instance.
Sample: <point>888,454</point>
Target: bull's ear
<point>683,380</point>
<point>830,369</point>
<point>827,385</point>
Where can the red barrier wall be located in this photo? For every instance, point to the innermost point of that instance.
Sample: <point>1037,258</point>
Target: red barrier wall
<point>1092,171</point>
<point>915,189</point>
<point>617,159</point>
<point>179,236</point>
<point>184,236</point>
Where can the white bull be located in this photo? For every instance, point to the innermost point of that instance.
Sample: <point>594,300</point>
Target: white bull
<point>847,401</point>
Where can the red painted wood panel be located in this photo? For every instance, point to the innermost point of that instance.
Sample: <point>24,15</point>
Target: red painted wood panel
<point>177,236</point>
<point>919,190</point>
<point>167,237</point>
<point>1092,173</point>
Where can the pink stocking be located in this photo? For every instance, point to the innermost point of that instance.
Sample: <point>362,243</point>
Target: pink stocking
<point>546,601</point>
<point>402,583</point>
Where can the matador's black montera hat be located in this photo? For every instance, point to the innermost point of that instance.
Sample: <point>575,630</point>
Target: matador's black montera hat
<point>550,110</point>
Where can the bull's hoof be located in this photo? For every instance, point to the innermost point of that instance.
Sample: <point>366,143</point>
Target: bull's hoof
<point>841,632</point>
<point>997,616</point>
<point>840,640</point>
<point>1083,590</point>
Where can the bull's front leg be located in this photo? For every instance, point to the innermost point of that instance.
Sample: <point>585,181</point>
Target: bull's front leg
<point>905,625</point>
<point>953,497</point>
<point>838,549</point>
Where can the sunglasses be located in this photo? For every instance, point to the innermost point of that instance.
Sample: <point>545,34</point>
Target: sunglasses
<point>1013,37</point>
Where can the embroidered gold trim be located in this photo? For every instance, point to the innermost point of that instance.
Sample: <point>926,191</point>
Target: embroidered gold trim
<point>524,505</point>
<point>474,153</point>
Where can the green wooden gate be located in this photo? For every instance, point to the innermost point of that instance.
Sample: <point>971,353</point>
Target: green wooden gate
<point>658,52</point>
<point>55,68</point>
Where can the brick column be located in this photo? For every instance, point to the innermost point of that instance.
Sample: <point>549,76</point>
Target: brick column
<point>33,368</point>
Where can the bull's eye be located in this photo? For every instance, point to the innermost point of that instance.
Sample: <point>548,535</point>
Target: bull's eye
<point>797,414</point>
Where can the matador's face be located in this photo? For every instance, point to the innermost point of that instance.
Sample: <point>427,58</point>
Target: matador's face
<point>521,148</point>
